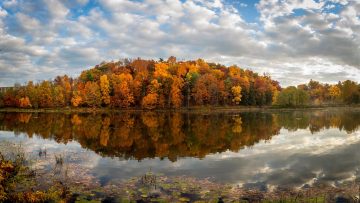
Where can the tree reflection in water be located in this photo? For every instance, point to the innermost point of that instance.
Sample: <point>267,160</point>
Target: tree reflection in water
<point>140,135</point>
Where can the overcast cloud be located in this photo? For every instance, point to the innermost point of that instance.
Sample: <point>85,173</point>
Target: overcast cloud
<point>293,40</point>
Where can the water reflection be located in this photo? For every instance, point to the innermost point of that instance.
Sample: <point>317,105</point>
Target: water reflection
<point>254,149</point>
<point>171,135</point>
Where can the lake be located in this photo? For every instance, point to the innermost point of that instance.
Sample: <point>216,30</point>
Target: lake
<point>259,150</point>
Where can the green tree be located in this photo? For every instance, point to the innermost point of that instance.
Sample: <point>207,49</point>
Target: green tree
<point>350,92</point>
<point>291,96</point>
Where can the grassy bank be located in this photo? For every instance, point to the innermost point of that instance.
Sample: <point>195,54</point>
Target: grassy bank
<point>199,109</point>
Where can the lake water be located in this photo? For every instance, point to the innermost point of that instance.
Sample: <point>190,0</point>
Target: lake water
<point>251,149</point>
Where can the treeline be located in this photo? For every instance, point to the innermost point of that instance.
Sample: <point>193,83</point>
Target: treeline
<point>315,93</point>
<point>170,84</point>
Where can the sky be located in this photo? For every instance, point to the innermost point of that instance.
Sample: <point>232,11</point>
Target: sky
<point>292,40</point>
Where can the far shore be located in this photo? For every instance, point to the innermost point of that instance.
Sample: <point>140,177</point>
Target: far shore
<point>193,109</point>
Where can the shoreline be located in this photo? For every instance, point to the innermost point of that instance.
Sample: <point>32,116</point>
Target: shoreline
<point>195,109</point>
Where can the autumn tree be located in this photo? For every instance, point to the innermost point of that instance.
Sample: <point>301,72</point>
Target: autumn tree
<point>236,92</point>
<point>163,76</point>
<point>78,95</point>
<point>350,92</point>
<point>32,93</point>
<point>123,94</point>
<point>171,60</point>
<point>334,92</point>
<point>92,94</point>
<point>275,96</point>
<point>1,100</point>
<point>65,83</point>
<point>203,66</point>
<point>76,100</point>
<point>45,94</point>
<point>105,89</point>
<point>9,98</point>
<point>150,101</point>
<point>24,102</point>
<point>316,92</point>
<point>58,96</point>
<point>189,73</point>
<point>175,92</point>
<point>208,90</point>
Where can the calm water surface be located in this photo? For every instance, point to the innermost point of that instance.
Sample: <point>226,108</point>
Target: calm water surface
<point>252,149</point>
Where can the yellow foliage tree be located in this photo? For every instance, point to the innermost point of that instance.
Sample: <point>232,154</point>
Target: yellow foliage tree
<point>92,94</point>
<point>58,96</point>
<point>45,95</point>
<point>105,89</point>
<point>175,93</point>
<point>236,91</point>
<point>334,92</point>
<point>161,70</point>
<point>275,96</point>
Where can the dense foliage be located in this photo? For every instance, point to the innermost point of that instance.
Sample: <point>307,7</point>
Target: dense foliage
<point>170,84</point>
<point>315,93</point>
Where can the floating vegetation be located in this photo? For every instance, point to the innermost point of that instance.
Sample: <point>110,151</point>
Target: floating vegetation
<point>42,152</point>
<point>59,159</point>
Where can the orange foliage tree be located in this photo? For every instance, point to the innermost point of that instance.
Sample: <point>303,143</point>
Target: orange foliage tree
<point>208,90</point>
<point>24,102</point>
<point>150,101</point>
<point>123,94</point>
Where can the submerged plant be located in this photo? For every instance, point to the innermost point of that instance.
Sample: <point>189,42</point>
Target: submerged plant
<point>42,152</point>
<point>59,159</point>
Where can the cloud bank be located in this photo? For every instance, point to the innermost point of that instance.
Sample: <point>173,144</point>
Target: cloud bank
<point>292,40</point>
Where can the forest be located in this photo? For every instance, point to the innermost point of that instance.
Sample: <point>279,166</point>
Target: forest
<point>150,84</point>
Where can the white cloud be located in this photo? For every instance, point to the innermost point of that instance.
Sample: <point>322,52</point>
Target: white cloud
<point>275,8</point>
<point>9,3</point>
<point>330,6</point>
<point>52,38</point>
<point>342,2</point>
<point>3,12</point>
<point>243,5</point>
<point>82,2</point>
<point>28,23</point>
<point>57,9</point>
